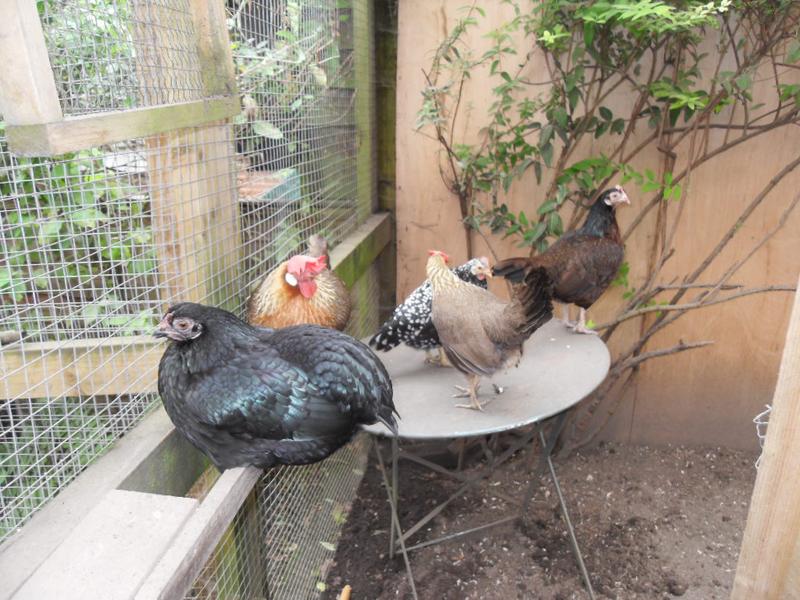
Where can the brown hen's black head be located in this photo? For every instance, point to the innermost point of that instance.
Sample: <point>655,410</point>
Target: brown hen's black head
<point>601,216</point>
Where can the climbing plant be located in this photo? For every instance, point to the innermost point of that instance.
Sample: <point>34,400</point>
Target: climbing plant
<point>687,69</point>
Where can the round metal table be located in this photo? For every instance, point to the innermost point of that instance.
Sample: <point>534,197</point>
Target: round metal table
<point>558,369</point>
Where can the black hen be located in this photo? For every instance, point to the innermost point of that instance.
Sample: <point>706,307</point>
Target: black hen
<point>411,322</point>
<point>251,396</point>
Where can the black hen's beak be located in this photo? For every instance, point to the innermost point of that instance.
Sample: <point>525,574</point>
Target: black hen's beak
<point>164,326</point>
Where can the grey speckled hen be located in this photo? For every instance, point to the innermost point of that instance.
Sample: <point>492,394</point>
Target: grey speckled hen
<point>251,396</point>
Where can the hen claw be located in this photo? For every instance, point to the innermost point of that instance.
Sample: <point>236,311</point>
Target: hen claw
<point>474,404</point>
<point>463,392</point>
<point>578,328</point>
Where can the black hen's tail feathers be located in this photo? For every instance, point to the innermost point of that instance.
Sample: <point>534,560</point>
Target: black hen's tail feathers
<point>535,295</point>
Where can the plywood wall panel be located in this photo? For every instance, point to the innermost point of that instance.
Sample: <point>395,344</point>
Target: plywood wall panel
<point>706,396</point>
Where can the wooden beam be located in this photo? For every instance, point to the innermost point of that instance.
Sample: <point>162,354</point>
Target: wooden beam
<point>352,258</point>
<point>214,47</point>
<point>364,54</point>
<point>107,367</point>
<point>88,131</point>
<point>110,553</point>
<point>27,86</point>
<point>769,562</point>
<point>196,215</point>
<point>21,555</point>
<point>180,565</point>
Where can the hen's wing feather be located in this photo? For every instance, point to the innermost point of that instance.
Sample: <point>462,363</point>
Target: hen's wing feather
<point>260,395</point>
<point>473,339</point>
<point>587,266</point>
<point>345,371</point>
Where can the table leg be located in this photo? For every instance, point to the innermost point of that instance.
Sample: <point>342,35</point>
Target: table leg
<point>391,492</point>
<point>547,449</point>
<point>546,461</point>
<point>394,494</point>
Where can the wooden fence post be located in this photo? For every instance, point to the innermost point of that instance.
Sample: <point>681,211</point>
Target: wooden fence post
<point>769,562</point>
<point>193,186</point>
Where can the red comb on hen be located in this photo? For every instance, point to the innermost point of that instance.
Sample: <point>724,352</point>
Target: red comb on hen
<point>306,264</point>
<point>439,253</point>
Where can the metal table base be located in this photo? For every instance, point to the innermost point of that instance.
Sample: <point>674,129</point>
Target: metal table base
<point>398,538</point>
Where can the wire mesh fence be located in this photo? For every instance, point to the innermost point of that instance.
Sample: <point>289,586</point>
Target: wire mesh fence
<point>283,539</point>
<point>117,54</point>
<point>95,245</point>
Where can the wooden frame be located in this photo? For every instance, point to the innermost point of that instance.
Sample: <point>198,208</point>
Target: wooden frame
<point>29,103</point>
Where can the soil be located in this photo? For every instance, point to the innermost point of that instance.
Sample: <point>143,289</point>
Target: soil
<point>651,522</point>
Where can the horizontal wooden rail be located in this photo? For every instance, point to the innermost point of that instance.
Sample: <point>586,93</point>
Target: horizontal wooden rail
<point>89,131</point>
<point>128,364</point>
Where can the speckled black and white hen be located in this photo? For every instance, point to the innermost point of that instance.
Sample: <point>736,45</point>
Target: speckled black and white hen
<point>251,396</point>
<point>411,322</point>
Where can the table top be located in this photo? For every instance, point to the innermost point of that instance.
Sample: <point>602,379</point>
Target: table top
<point>559,368</point>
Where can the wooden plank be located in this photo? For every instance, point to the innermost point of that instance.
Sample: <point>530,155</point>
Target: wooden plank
<point>108,367</point>
<point>22,553</point>
<point>769,562</point>
<point>354,255</point>
<point>214,47</point>
<point>27,86</point>
<point>364,53</point>
<point>112,550</point>
<point>182,562</point>
<point>89,131</point>
<point>195,214</point>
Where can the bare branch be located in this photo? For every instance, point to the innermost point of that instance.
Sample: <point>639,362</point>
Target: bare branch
<point>693,305</point>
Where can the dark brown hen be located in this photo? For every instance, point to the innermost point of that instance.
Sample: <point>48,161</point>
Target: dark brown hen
<point>582,263</point>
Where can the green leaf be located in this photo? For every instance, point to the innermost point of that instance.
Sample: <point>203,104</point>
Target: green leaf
<point>554,224</point>
<point>606,113</point>
<point>547,154</point>
<point>268,130</point>
<point>573,96</point>
<point>743,81</point>
<point>546,134</point>
<point>321,587</point>
<point>535,233</point>
<point>793,54</point>
<point>49,230</point>
<point>547,207</point>
<point>561,117</point>
<point>88,218</point>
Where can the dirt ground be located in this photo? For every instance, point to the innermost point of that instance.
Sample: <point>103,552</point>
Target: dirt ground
<point>652,523</point>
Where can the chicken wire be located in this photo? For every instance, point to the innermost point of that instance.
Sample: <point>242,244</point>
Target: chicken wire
<point>282,541</point>
<point>117,54</point>
<point>95,245</point>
